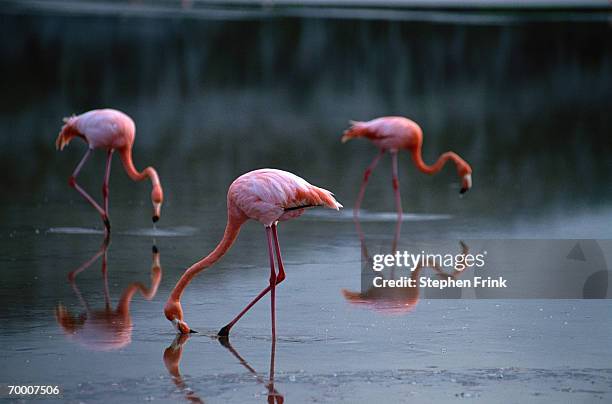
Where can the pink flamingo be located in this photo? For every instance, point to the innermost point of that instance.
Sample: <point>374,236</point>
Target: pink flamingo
<point>110,130</point>
<point>265,195</point>
<point>395,133</point>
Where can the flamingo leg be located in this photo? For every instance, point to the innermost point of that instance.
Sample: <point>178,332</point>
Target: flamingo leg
<point>109,159</point>
<point>272,283</point>
<point>72,182</point>
<point>364,183</point>
<point>224,332</point>
<point>279,259</point>
<point>398,199</point>
<point>272,393</point>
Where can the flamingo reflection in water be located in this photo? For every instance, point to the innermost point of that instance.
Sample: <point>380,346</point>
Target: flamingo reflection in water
<point>172,358</point>
<point>394,300</point>
<point>105,329</point>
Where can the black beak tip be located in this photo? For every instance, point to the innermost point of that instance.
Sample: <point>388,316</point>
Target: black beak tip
<point>193,332</point>
<point>154,249</point>
<point>463,191</point>
<point>155,219</point>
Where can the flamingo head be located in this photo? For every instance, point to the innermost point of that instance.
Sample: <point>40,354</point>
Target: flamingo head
<point>68,132</point>
<point>355,130</point>
<point>157,198</point>
<point>174,313</point>
<point>345,137</point>
<point>465,173</point>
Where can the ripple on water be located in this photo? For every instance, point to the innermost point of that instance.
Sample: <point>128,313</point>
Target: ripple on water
<point>74,230</point>
<point>366,216</point>
<point>180,231</point>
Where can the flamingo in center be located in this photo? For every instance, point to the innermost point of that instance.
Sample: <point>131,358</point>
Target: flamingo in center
<point>110,130</point>
<point>395,133</point>
<point>267,196</point>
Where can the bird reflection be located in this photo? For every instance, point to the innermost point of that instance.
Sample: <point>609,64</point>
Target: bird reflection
<point>273,395</point>
<point>105,329</point>
<point>172,358</point>
<point>393,300</point>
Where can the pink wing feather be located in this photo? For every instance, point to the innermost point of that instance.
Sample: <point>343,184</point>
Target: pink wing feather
<point>268,195</point>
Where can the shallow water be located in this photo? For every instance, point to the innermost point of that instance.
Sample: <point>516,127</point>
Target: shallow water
<point>525,103</point>
<point>327,349</point>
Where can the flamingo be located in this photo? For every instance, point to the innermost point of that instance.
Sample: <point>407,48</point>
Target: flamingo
<point>267,196</point>
<point>110,130</point>
<point>395,133</point>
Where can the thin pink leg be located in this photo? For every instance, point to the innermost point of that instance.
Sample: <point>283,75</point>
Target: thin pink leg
<point>272,283</point>
<point>105,188</point>
<point>224,332</point>
<point>279,259</point>
<point>398,199</point>
<point>72,182</point>
<point>364,183</point>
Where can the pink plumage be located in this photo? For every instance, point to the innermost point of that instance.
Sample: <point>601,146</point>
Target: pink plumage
<point>100,128</point>
<point>389,133</point>
<point>267,196</point>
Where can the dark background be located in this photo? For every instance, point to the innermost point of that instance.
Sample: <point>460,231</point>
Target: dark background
<point>527,104</point>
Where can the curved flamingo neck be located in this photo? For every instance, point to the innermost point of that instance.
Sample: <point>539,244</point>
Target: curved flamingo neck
<point>437,166</point>
<point>229,236</point>
<point>133,173</point>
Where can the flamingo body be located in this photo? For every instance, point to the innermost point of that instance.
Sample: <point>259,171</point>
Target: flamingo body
<point>389,133</point>
<point>101,129</point>
<point>267,196</point>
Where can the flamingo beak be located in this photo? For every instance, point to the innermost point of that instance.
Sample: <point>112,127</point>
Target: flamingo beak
<point>156,211</point>
<point>466,183</point>
<point>60,143</point>
<point>182,327</point>
<point>345,138</point>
